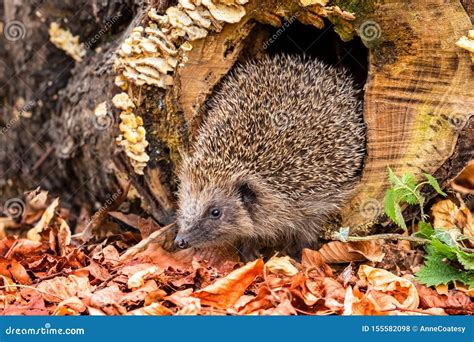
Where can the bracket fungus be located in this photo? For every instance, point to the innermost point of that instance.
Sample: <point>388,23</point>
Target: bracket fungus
<point>133,134</point>
<point>467,43</point>
<point>64,40</point>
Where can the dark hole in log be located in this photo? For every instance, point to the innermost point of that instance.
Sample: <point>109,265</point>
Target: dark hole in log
<point>324,44</point>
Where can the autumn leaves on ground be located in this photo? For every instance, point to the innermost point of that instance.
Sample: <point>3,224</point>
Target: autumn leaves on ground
<point>49,271</point>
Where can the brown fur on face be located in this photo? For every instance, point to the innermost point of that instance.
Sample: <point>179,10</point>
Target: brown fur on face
<point>281,149</point>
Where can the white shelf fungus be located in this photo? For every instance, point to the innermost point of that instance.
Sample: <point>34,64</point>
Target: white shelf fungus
<point>133,134</point>
<point>64,40</point>
<point>149,55</point>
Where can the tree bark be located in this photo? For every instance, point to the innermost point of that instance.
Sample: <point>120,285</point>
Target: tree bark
<point>418,106</point>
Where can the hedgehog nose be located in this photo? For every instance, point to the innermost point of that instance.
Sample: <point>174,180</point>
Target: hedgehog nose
<point>181,243</point>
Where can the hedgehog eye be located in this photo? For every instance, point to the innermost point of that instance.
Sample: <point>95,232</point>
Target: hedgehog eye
<point>214,213</point>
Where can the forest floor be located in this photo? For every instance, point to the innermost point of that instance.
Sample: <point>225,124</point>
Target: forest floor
<point>45,270</point>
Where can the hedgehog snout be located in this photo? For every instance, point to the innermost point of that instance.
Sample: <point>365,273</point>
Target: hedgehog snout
<point>181,242</point>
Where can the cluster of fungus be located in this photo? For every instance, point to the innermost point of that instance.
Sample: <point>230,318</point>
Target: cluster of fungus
<point>149,56</point>
<point>133,135</point>
<point>64,40</point>
<point>467,43</point>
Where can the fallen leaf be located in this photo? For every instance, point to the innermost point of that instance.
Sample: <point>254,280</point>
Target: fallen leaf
<point>107,300</point>
<point>145,226</point>
<point>454,300</point>
<point>281,265</point>
<point>464,182</point>
<point>57,289</point>
<point>264,300</point>
<point>444,214</point>
<point>34,307</point>
<point>136,297</point>
<point>313,261</point>
<point>154,296</point>
<point>34,233</point>
<point>70,307</point>
<point>19,273</point>
<point>335,252</point>
<point>138,278</point>
<point>226,291</point>
<point>182,298</point>
<point>154,309</point>
<point>387,292</point>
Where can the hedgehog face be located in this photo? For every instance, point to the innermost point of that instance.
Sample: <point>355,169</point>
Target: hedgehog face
<point>211,216</point>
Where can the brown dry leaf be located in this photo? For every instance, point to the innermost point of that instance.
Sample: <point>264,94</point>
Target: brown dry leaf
<point>107,300</point>
<point>335,252</point>
<point>284,308</point>
<point>64,235</point>
<point>154,309</point>
<point>8,284</point>
<point>183,298</point>
<point>19,273</point>
<point>57,289</point>
<point>34,307</point>
<point>464,182</point>
<point>264,300</point>
<point>447,215</point>
<point>70,307</point>
<point>137,279</point>
<point>25,248</point>
<point>97,271</point>
<point>463,288</point>
<point>281,265</point>
<point>465,221</point>
<point>334,294</point>
<point>312,260</point>
<point>226,291</point>
<point>387,292</point>
<point>145,226</point>
<point>36,203</point>
<point>136,297</point>
<point>34,233</point>
<point>454,300</point>
<point>154,296</point>
<point>444,214</point>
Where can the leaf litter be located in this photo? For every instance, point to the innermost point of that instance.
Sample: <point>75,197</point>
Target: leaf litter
<point>44,270</point>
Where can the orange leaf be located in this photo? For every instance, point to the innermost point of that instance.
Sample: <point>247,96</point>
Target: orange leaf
<point>154,309</point>
<point>226,291</point>
<point>19,273</point>
<point>335,252</point>
<point>313,260</point>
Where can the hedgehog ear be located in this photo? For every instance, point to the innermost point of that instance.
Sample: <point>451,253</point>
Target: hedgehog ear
<point>246,193</point>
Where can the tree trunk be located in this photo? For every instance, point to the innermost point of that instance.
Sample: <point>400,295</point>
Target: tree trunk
<point>418,105</point>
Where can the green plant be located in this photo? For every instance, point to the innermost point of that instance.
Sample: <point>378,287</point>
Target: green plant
<point>405,190</point>
<point>446,260</point>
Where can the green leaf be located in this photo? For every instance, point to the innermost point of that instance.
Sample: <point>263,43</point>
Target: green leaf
<point>392,178</point>
<point>436,272</point>
<point>389,202</point>
<point>465,259</point>
<point>438,247</point>
<point>425,231</point>
<point>434,183</point>
<point>400,219</point>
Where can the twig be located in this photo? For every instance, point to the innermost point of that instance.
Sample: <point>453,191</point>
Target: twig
<point>31,288</point>
<point>396,237</point>
<point>387,237</point>
<point>158,236</point>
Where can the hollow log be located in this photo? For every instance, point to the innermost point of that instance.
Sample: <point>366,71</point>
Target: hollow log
<point>418,102</point>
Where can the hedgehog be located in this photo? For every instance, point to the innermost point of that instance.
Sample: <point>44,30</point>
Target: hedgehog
<point>280,150</point>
